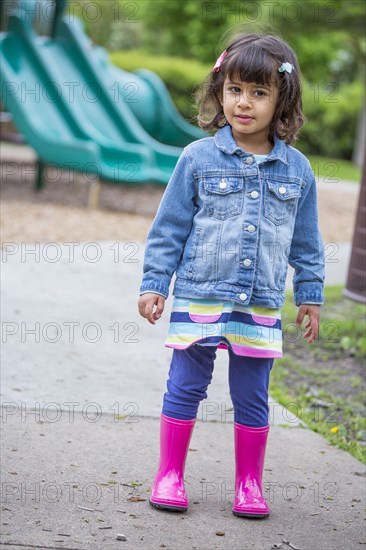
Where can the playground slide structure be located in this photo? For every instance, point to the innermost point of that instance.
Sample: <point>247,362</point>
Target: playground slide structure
<point>80,112</point>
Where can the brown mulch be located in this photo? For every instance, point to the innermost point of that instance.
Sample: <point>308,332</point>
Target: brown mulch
<point>59,212</point>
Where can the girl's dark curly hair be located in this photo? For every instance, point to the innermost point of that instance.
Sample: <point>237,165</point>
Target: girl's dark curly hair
<point>256,58</point>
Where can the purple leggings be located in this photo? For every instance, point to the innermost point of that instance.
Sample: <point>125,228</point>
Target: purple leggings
<point>190,374</point>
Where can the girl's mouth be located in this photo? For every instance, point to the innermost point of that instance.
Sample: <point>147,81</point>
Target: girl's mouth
<point>244,118</point>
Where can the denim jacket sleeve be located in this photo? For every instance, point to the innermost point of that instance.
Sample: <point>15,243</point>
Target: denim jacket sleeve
<point>170,229</point>
<point>307,249</point>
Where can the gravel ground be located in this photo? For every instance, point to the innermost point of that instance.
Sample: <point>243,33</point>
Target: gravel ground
<point>59,212</point>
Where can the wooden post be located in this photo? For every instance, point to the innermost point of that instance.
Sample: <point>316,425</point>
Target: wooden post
<point>356,281</point>
<point>40,169</point>
<point>94,192</point>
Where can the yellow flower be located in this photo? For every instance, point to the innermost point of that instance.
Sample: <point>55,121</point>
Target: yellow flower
<point>335,429</point>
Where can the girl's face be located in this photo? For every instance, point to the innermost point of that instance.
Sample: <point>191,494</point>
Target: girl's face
<point>249,109</point>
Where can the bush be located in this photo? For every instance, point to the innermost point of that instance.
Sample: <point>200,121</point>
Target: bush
<point>181,76</point>
<point>332,113</point>
<point>332,118</point>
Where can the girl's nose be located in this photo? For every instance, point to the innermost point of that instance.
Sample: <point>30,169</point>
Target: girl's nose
<point>243,100</point>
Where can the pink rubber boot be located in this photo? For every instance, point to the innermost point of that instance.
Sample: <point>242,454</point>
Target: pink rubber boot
<point>168,490</point>
<point>250,450</point>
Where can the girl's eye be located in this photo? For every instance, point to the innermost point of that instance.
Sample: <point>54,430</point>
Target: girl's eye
<point>235,89</point>
<point>259,93</point>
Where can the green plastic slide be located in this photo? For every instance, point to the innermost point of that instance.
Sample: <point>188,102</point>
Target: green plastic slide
<point>80,112</point>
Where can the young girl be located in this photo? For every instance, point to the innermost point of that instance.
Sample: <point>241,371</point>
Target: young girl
<point>239,207</point>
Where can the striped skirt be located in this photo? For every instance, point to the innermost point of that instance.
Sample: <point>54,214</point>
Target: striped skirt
<point>248,330</point>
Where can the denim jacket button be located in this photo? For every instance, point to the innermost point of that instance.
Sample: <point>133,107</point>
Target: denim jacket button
<point>223,184</point>
<point>249,160</point>
<point>251,228</point>
<point>282,190</point>
<point>243,296</point>
<point>254,194</point>
<point>247,262</point>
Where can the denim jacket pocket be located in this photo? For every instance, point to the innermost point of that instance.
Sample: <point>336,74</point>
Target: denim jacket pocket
<point>280,200</point>
<point>223,195</point>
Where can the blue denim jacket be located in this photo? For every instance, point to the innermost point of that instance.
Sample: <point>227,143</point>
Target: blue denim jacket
<point>228,227</point>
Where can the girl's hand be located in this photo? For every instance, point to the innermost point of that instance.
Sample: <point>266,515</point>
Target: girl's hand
<point>313,312</point>
<point>146,305</point>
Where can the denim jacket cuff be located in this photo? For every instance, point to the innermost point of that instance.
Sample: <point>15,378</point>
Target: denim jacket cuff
<point>309,293</point>
<point>160,287</point>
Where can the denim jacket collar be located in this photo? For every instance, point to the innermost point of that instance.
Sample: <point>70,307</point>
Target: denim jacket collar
<point>226,143</point>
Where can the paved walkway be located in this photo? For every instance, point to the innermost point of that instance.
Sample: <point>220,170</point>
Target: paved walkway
<point>77,484</point>
<point>77,335</point>
<point>82,383</point>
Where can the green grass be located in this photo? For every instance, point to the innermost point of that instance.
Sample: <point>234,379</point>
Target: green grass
<point>342,327</point>
<point>335,169</point>
<point>323,383</point>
